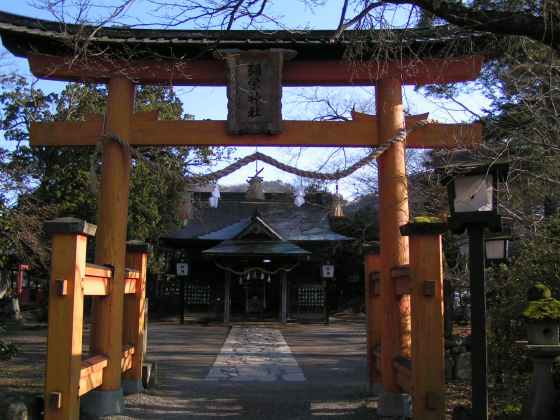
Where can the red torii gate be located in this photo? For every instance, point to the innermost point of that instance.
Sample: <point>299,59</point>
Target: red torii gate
<point>320,61</point>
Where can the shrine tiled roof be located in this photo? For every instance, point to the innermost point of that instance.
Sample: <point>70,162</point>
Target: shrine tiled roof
<point>22,35</point>
<point>307,223</point>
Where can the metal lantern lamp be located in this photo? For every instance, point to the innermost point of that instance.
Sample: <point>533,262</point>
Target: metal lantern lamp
<point>473,206</point>
<point>496,248</point>
<point>472,194</point>
<point>182,270</point>
<point>327,271</point>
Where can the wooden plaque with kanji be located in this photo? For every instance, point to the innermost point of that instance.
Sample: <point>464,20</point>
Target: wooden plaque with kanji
<point>254,91</point>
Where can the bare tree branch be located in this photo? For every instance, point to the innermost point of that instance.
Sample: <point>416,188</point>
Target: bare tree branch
<point>355,20</point>
<point>543,28</point>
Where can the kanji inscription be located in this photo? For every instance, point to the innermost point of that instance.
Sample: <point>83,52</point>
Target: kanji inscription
<point>254,90</point>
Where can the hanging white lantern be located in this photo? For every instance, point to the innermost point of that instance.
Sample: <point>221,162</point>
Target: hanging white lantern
<point>268,280</point>
<point>248,276</point>
<point>216,191</point>
<point>213,201</point>
<point>214,197</point>
<point>262,275</point>
<point>240,280</point>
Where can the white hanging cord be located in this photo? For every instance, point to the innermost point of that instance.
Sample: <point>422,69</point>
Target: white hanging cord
<point>400,136</point>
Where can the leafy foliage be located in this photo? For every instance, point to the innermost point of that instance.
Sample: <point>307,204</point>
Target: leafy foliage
<point>539,291</point>
<point>542,310</point>
<point>426,219</point>
<point>47,182</point>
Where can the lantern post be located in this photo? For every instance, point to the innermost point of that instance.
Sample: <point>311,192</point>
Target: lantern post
<point>473,203</point>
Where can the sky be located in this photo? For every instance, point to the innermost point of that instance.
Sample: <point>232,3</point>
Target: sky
<point>211,103</point>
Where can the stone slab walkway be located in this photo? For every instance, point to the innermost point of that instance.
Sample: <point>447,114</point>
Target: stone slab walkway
<point>243,373</point>
<point>253,354</point>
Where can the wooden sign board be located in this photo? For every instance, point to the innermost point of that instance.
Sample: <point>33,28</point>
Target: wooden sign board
<point>254,90</point>
<point>327,271</point>
<point>182,269</point>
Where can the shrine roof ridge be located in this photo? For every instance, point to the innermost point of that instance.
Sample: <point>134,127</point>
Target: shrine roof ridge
<point>22,35</point>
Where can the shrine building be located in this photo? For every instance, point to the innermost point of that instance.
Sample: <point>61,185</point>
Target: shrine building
<point>260,257</point>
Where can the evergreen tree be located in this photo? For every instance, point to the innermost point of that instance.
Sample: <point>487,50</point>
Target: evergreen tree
<point>45,182</point>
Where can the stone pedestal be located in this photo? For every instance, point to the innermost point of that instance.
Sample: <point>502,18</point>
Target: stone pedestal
<point>132,386</point>
<point>394,406</point>
<point>9,309</point>
<point>99,403</point>
<point>544,396</point>
<point>376,388</point>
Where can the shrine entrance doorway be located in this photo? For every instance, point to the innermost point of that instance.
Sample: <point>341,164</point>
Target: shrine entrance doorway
<point>256,299</point>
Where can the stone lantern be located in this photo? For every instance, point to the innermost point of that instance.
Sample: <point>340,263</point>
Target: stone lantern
<point>542,316</point>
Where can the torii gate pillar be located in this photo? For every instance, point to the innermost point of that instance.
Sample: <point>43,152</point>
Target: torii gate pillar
<point>393,213</point>
<point>110,247</point>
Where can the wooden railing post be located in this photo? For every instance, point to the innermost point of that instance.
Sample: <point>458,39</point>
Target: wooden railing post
<point>134,327</point>
<point>374,311</point>
<point>428,363</point>
<point>66,310</point>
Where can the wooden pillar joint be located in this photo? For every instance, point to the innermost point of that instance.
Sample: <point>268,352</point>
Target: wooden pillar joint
<point>401,278</point>
<point>429,288</point>
<point>61,287</point>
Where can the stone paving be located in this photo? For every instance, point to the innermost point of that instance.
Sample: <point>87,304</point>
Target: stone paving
<point>253,354</point>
